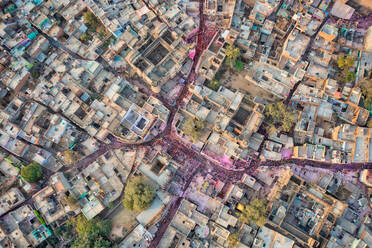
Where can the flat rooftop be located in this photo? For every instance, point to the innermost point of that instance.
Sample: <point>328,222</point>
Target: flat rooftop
<point>242,116</point>
<point>157,54</point>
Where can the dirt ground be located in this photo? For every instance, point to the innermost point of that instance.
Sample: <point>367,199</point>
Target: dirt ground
<point>237,81</point>
<point>122,222</point>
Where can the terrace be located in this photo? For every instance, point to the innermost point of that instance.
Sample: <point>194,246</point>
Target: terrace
<point>305,213</point>
<point>80,113</point>
<point>169,64</point>
<point>242,116</point>
<point>216,45</point>
<point>236,130</point>
<point>133,96</point>
<point>167,36</point>
<point>123,102</point>
<point>157,54</point>
<point>131,116</point>
<point>141,123</point>
<point>161,71</point>
<point>158,167</point>
<point>141,64</point>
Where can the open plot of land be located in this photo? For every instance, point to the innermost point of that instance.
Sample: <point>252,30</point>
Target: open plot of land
<point>124,217</point>
<point>123,221</point>
<point>238,81</point>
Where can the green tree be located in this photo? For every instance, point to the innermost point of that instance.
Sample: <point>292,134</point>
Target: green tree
<point>138,195</point>
<point>105,227</point>
<point>71,200</point>
<point>366,87</point>
<point>239,65</point>
<point>64,231</point>
<point>35,73</point>
<point>193,128</point>
<point>271,129</point>
<point>70,156</point>
<point>90,18</point>
<point>279,117</point>
<point>81,224</point>
<point>214,85</point>
<point>94,226</point>
<point>233,240</point>
<point>86,37</point>
<point>90,233</point>
<point>219,74</point>
<point>53,241</point>
<point>81,242</point>
<point>350,76</point>
<point>107,43</point>
<point>232,53</point>
<point>345,62</point>
<point>102,34</point>
<point>90,242</point>
<point>31,172</point>
<point>102,243</point>
<point>110,205</point>
<point>255,212</point>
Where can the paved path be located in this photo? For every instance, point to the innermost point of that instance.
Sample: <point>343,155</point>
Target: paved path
<point>214,168</point>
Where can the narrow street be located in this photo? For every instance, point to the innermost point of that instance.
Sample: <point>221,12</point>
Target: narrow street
<point>165,135</point>
<point>59,45</point>
<point>168,138</point>
<point>199,49</point>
